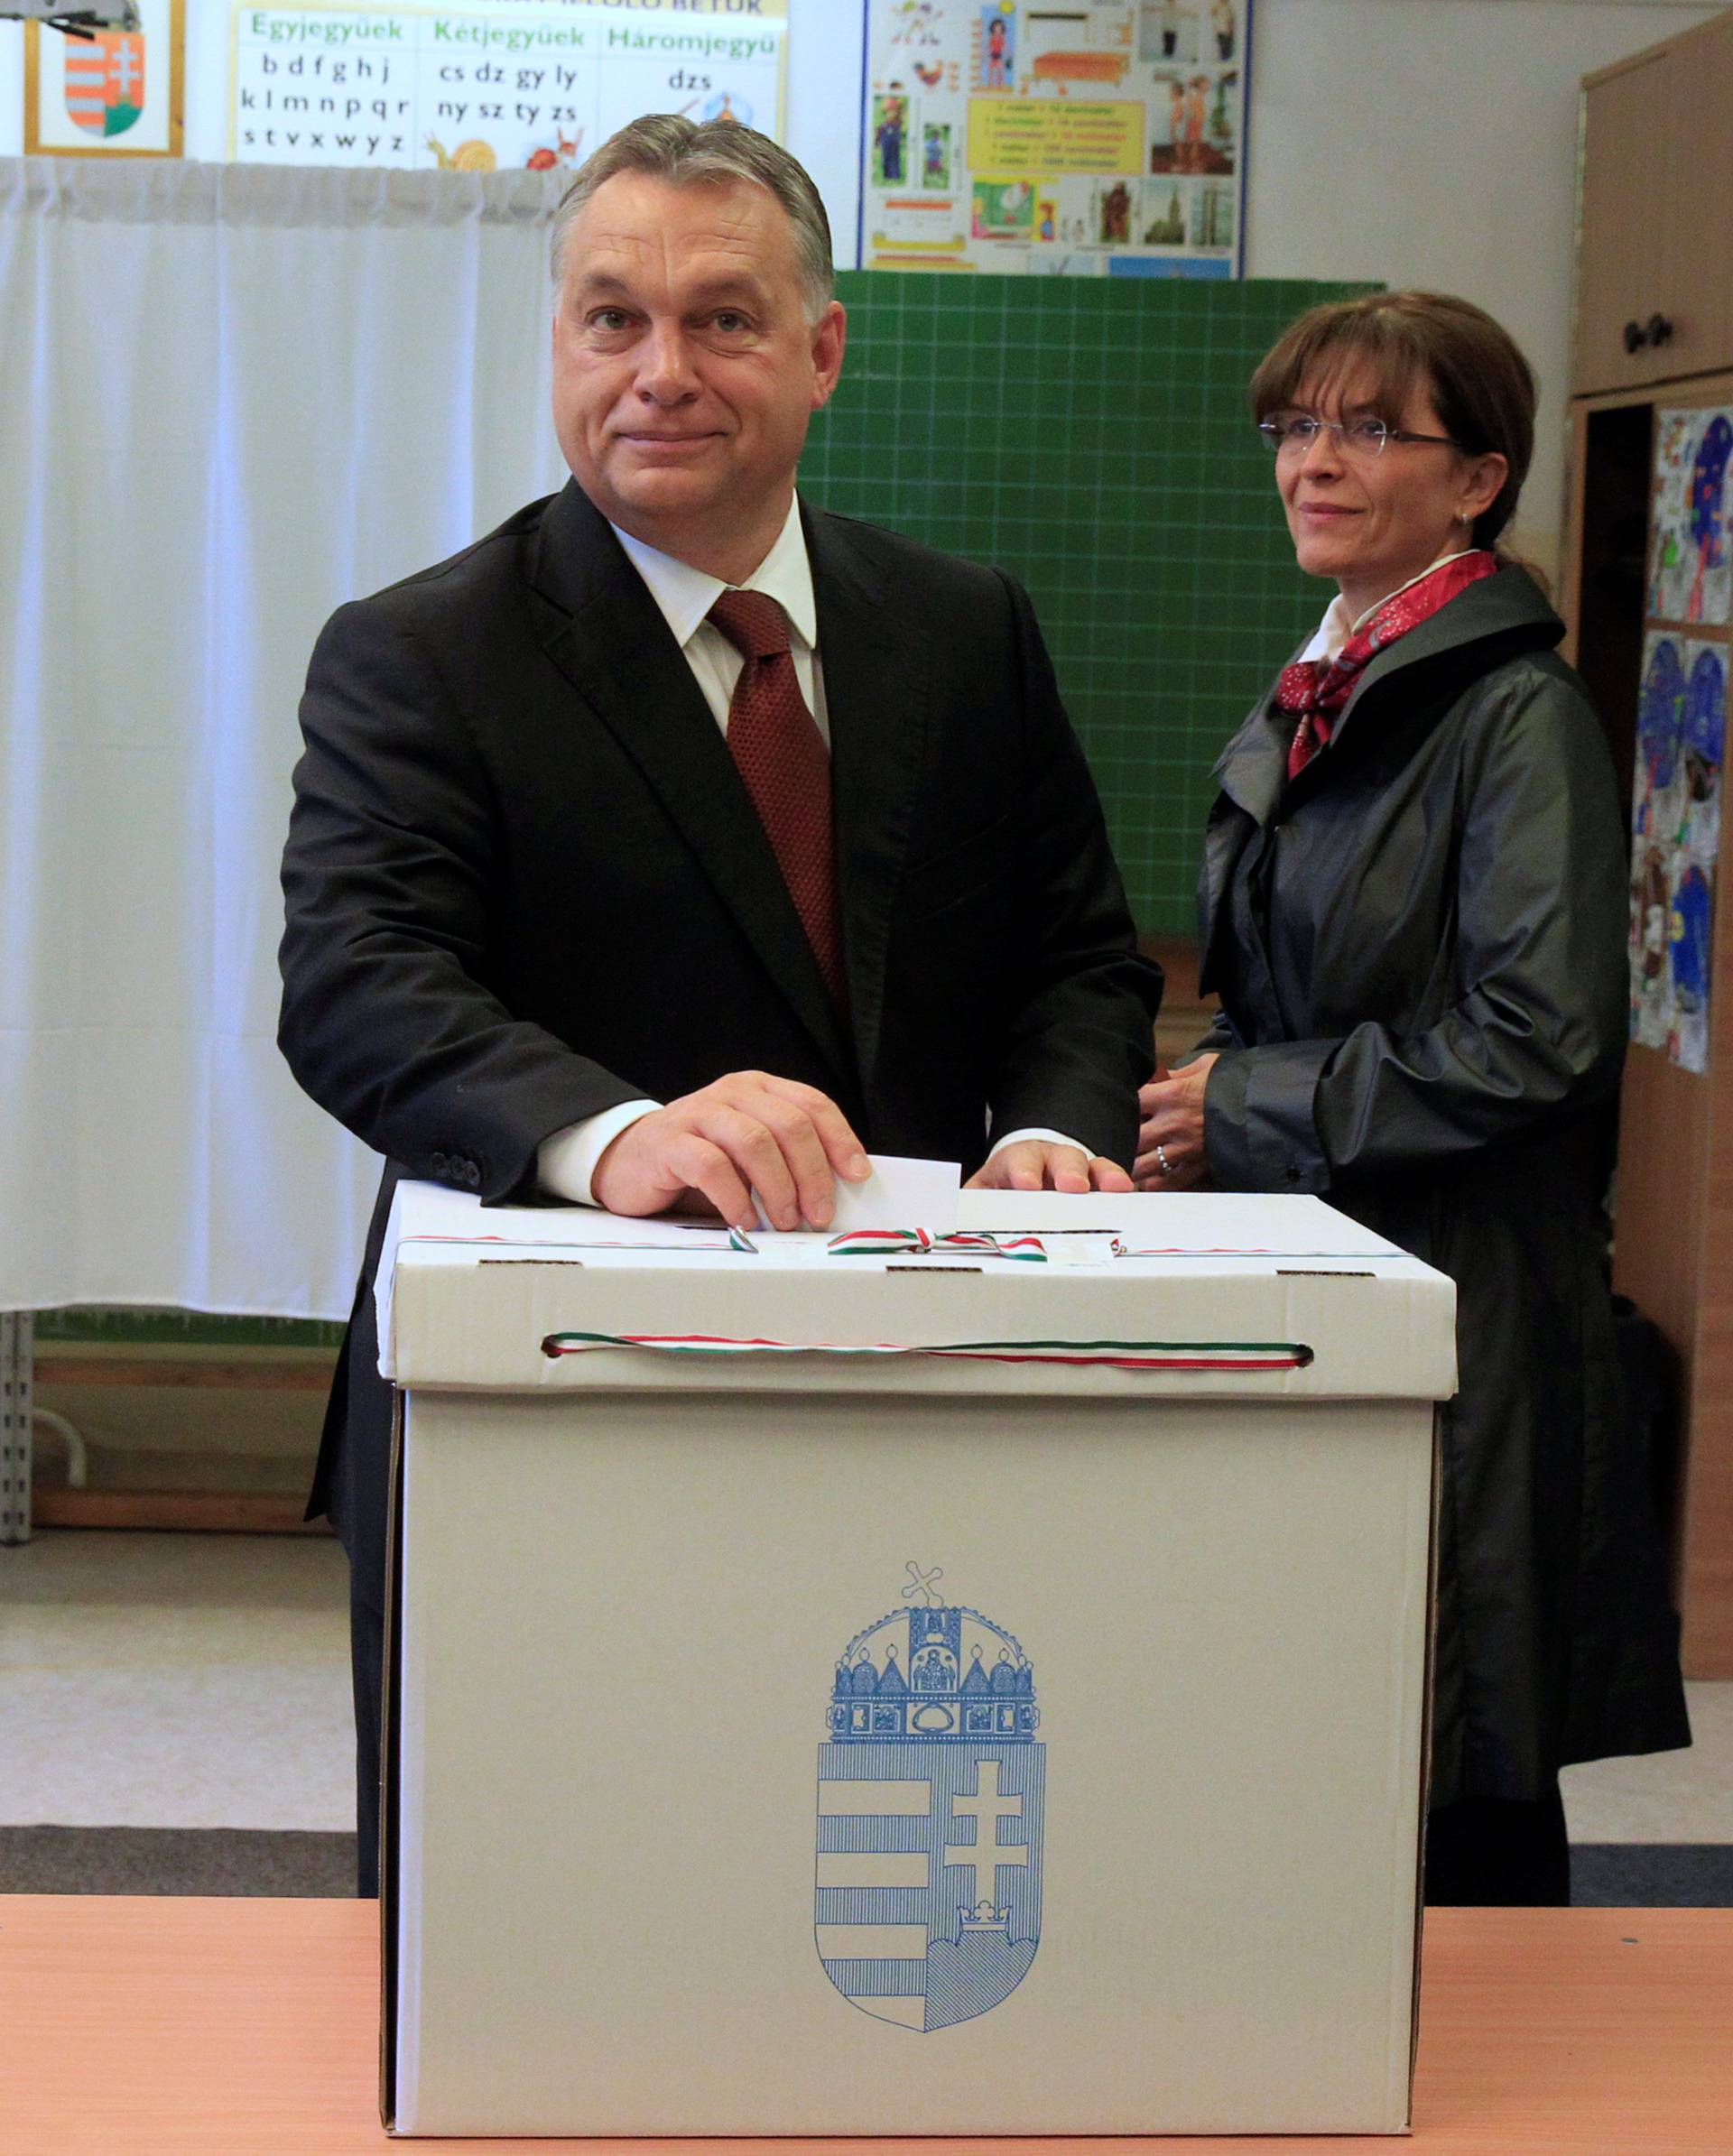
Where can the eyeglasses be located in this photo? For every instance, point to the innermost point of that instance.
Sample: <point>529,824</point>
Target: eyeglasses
<point>1293,433</point>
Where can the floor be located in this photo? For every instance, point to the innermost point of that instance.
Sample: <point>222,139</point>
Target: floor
<point>195,1687</point>
<point>175,1681</point>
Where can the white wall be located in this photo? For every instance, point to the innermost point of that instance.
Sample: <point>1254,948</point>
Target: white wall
<point>1433,143</point>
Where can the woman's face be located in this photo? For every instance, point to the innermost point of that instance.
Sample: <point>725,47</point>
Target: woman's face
<point>1374,521</point>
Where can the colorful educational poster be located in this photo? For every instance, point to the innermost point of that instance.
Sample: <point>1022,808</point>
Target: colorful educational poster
<point>115,92</point>
<point>492,85</point>
<point>1690,563</point>
<point>1675,842</point>
<point>1088,137</point>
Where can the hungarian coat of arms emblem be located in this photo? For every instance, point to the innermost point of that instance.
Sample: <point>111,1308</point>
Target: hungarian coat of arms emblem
<point>930,1815</point>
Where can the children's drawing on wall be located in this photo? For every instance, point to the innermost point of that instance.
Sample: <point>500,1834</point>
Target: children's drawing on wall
<point>1675,818</point>
<point>935,155</point>
<point>1660,739</point>
<point>1655,818</point>
<point>1691,565</point>
<point>997,63</point>
<point>1670,576</point>
<point>1688,922</point>
<point>1703,739</point>
<point>890,138</point>
<point>1651,989</point>
<point>1711,584</point>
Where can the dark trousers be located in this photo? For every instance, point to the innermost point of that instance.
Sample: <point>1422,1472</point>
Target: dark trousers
<point>1486,1853</point>
<point>367,1665</point>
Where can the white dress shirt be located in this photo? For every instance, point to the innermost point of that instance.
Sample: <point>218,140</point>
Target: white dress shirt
<point>566,1163</point>
<point>686,595</point>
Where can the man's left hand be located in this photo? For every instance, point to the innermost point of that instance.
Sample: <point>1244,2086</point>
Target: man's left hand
<point>1034,1165</point>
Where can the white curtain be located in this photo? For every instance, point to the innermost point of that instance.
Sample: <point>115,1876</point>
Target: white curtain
<point>230,398</point>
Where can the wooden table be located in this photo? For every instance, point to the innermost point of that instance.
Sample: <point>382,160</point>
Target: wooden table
<point>151,2027</point>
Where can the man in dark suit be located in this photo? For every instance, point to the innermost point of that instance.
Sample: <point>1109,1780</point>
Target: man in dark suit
<point>676,842</point>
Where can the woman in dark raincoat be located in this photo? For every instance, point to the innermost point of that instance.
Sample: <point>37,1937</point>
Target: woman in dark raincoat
<point>1413,908</point>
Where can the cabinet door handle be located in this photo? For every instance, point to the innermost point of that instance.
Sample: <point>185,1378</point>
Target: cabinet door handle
<point>1635,336</point>
<point>1660,331</point>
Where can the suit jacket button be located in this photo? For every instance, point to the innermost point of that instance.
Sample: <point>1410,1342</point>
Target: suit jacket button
<point>472,1175</point>
<point>440,1163</point>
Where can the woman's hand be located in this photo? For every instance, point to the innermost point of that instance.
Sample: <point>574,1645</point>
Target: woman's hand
<point>1170,1143</point>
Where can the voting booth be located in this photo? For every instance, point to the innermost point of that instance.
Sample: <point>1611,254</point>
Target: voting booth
<point>907,1682</point>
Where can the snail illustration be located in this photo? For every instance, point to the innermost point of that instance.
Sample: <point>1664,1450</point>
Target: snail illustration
<point>468,157</point>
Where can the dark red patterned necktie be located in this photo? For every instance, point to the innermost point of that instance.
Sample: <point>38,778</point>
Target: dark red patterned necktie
<point>780,756</point>
<point>1317,689</point>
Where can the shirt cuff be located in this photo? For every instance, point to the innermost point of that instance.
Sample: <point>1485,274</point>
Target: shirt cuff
<point>565,1162</point>
<point>1047,1137</point>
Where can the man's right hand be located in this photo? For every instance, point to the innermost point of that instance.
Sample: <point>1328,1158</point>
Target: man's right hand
<point>743,1132</point>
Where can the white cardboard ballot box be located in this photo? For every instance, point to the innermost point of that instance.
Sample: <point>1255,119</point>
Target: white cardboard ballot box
<point>934,1686</point>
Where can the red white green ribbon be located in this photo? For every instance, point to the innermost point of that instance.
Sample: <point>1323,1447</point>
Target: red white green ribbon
<point>1103,1355</point>
<point>920,1242</point>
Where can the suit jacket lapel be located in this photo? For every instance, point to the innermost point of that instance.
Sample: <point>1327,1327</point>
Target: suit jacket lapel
<point>877,704</point>
<point>607,635</point>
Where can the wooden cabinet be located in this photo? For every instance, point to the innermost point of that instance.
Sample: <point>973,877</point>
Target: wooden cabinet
<point>1654,333</point>
<point>1622,276</point>
<point>1672,1251</point>
<point>1654,260</point>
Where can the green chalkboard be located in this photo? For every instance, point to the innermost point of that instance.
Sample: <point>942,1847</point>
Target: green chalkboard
<point>1091,435</point>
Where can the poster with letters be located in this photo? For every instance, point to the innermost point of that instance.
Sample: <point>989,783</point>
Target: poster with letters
<point>1083,137</point>
<point>491,85</point>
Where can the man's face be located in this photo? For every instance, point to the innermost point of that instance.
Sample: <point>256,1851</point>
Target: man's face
<point>685,371</point>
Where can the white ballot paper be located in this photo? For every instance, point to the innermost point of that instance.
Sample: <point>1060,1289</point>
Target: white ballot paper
<point>900,1193</point>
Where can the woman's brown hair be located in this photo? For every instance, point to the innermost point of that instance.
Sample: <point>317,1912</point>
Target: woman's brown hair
<point>1481,386</point>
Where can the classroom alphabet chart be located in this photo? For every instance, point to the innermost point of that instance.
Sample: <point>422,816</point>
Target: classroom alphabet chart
<point>485,87</point>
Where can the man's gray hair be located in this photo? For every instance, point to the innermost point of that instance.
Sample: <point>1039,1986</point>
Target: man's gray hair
<point>687,152</point>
